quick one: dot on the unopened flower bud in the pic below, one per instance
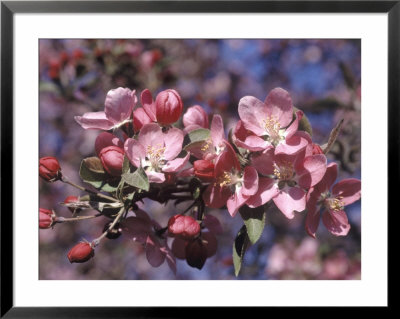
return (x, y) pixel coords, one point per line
(169, 107)
(72, 199)
(112, 158)
(182, 226)
(46, 218)
(81, 253)
(49, 169)
(194, 118)
(140, 118)
(105, 139)
(113, 233)
(196, 253)
(204, 170)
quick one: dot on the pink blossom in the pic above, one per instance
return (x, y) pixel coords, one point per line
(117, 112)
(272, 121)
(156, 151)
(145, 231)
(112, 159)
(331, 202)
(232, 186)
(287, 178)
(194, 118)
(214, 145)
(105, 139)
(169, 107)
(140, 118)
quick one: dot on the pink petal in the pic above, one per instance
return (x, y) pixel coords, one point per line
(235, 201)
(155, 177)
(226, 162)
(312, 217)
(336, 222)
(314, 168)
(252, 112)
(173, 140)
(171, 260)
(267, 189)
(295, 125)
(291, 145)
(151, 136)
(250, 181)
(329, 178)
(105, 139)
(215, 196)
(217, 130)
(279, 105)
(134, 151)
(155, 256)
(195, 116)
(143, 215)
(119, 104)
(289, 200)
(176, 164)
(349, 189)
(212, 224)
(140, 118)
(148, 104)
(94, 120)
(264, 162)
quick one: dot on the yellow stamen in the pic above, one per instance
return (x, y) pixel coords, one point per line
(224, 180)
(272, 126)
(336, 204)
(206, 145)
(284, 171)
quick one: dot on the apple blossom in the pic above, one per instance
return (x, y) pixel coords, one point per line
(49, 169)
(81, 252)
(194, 118)
(112, 158)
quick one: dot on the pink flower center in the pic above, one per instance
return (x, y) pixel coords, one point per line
(334, 204)
(228, 179)
(284, 171)
(272, 128)
(154, 156)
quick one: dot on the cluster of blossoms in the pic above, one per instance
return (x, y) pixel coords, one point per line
(268, 157)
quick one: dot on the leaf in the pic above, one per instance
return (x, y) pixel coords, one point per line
(96, 178)
(126, 165)
(137, 179)
(254, 219)
(196, 138)
(93, 164)
(304, 124)
(239, 248)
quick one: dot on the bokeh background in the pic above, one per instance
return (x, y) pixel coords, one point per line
(323, 77)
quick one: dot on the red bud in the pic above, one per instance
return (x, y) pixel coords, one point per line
(204, 170)
(112, 158)
(46, 218)
(80, 253)
(105, 139)
(185, 227)
(169, 107)
(49, 169)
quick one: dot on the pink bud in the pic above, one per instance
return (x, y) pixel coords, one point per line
(71, 199)
(169, 107)
(112, 158)
(80, 253)
(196, 253)
(46, 218)
(204, 170)
(194, 118)
(49, 169)
(185, 227)
(106, 139)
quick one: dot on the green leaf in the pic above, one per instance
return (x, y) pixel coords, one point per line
(200, 134)
(90, 173)
(304, 124)
(254, 219)
(126, 165)
(239, 248)
(137, 179)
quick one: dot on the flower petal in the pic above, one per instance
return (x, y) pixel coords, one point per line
(212, 224)
(267, 189)
(264, 162)
(336, 222)
(134, 151)
(312, 217)
(291, 145)
(279, 105)
(289, 200)
(349, 189)
(210, 242)
(179, 247)
(217, 130)
(250, 181)
(313, 170)
(235, 201)
(151, 136)
(155, 177)
(215, 196)
(295, 125)
(176, 164)
(155, 256)
(252, 112)
(137, 228)
(119, 104)
(94, 120)
(140, 118)
(148, 104)
(173, 140)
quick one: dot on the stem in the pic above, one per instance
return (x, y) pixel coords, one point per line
(115, 221)
(74, 219)
(97, 193)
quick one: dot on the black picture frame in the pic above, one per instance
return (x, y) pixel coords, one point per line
(9, 8)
